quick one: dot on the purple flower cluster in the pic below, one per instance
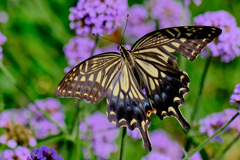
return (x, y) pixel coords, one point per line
(44, 153)
(43, 127)
(2, 41)
(17, 116)
(15, 133)
(235, 97)
(187, 2)
(97, 16)
(19, 153)
(138, 25)
(103, 135)
(169, 13)
(79, 49)
(164, 146)
(227, 44)
(214, 121)
(134, 134)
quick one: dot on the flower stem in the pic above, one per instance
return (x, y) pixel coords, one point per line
(123, 141)
(228, 147)
(206, 141)
(196, 106)
(45, 114)
(77, 132)
(95, 46)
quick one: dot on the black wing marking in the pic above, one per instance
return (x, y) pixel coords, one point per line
(187, 40)
(90, 79)
(165, 87)
(127, 106)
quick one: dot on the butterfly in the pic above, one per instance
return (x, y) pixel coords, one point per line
(148, 65)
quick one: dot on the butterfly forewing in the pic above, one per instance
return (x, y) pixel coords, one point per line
(127, 106)
(90, 79)
(187, 40)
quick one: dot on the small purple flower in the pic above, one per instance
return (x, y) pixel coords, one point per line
(214, 121)
(235, 97)
(162, 143)
(138, 25)
(103, 136)
(95, 16)
(3, 39)
(169, 13)
(79, 49)
(19, 153)
(43, 127)
(44, 153)
(196, 156)
(227, 44)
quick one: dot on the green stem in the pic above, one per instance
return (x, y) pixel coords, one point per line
(228, 147)
(123, 141)
(95, 46)
(206, 141)
(11, 78)
(77, 132)
(206, 67)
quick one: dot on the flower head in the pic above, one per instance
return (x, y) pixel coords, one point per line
(44, 153)
(138, 25)
(214, 121)
(162, 143)
(19, 153)
(43, 127)
(227, 44)
(104, 134)
(95, 16)
(168, 13)
(79, 49)
(157, 156)
(235, 97)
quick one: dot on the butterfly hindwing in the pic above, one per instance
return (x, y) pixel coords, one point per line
(126, 104)
(165, 89)
(90, 79)
(187, 40)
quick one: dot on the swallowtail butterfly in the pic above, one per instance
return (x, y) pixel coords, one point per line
(150, 65)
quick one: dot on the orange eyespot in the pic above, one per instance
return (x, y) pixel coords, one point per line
(154, 110)
(149, 113)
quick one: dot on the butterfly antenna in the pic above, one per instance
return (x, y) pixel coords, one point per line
(124, 28)
(104, 38)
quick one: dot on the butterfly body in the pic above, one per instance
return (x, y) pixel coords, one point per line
(149, 65)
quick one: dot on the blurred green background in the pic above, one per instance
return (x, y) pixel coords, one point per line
(36, 32)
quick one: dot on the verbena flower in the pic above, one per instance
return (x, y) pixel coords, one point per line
(138, 25)
(187, 2)
(17, 116)
(214, 121)
(3, 39)
(44, 153)
(15, 132)
(79, 49)
(103, 134)
(95, 16)
(43, 127)
(227, 44)
(169, 13)
(235, 97)
(19, 153)
(163, 144)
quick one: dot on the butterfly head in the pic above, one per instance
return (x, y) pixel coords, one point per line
(122, 47)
